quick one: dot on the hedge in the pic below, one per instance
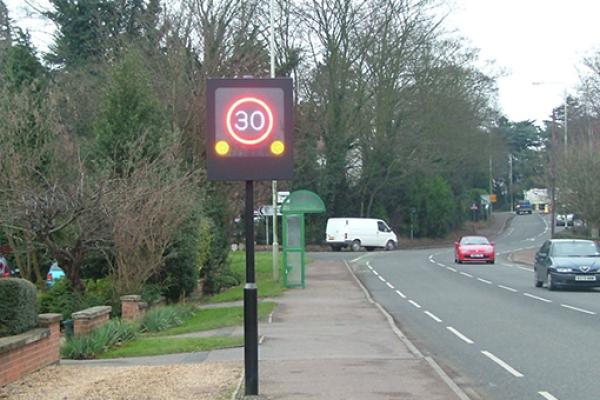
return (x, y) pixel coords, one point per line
(18, 306)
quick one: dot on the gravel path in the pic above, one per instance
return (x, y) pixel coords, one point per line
(207, 381)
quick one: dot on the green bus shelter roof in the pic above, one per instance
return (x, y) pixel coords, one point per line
(302, 201)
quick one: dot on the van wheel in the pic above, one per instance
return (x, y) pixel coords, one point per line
(356, 245)
(370, 248)
(390, 245)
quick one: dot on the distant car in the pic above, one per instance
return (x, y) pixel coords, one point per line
(5, 271)
(523, 207)
(566, 262)
(565, 219)
(54, 274)
(474, 248)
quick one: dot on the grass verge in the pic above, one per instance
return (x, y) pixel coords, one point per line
(264, 277)
(153, 346)
(215, 318)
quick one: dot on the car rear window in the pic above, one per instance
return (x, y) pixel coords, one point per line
(575, 249)
(469, 240)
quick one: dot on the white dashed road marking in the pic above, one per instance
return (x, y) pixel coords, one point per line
(433, 316)
(578, 309)
(531, 296)
(467, 275)
(389, 285)
(451, 269)
(460, 335)
(399, 293)
(484, 281)
(507, 288)
(501, 363)
(380, 278)
(414, 303)
(547, 396)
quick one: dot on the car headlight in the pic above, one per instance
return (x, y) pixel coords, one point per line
(564, 270)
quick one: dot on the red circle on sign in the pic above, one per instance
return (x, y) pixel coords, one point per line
(247, 121)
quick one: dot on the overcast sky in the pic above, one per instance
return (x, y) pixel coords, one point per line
(529, 40)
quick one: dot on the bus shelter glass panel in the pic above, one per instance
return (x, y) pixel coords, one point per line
(293, 254)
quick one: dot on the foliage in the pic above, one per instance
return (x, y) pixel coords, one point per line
(160, 318)
(213, 245)
(436, 207)
(131, 124)
(18, 306)
(101, 339)
(60, 298)
(180, 274)
(157, 346)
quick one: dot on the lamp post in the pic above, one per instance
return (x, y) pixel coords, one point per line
(274, 182)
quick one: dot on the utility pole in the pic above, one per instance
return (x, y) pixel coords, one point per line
(553, 176)
(491, 177)
(510, 181)
(274, 182)
(566, 122)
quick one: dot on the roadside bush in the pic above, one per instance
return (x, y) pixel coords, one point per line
(212, 255)
(161, 318)
(61, 299)
(436, 207)
(87, 347)
(180, 272)
(18, 306)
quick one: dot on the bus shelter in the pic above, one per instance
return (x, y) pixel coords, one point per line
(293, 209)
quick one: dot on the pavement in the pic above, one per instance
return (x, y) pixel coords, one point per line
(524, 257)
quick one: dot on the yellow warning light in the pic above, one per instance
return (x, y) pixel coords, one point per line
(277, 147)
(222, 148)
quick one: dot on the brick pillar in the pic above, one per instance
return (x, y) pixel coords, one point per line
(130, 307)
(52, 322)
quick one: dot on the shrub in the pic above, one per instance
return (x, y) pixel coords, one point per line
(180, 272)
(101, 339)
(18, 306)
(161, 318)
(61, 299)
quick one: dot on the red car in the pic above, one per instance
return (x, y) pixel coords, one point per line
(474, 248)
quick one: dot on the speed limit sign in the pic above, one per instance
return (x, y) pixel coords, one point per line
(249, 132)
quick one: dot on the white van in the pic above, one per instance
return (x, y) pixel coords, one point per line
(356, 232)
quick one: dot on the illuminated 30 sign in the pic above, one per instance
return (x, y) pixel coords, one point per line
(249, 132)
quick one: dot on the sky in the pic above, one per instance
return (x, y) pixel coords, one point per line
(528, 41)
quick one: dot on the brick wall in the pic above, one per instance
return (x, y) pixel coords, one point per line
(85, 321)
(32, 350)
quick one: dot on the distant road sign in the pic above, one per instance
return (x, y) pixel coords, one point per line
(268, 211)
(281, 196)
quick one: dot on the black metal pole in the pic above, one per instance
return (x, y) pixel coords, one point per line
(250, 300)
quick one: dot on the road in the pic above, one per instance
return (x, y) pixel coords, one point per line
(488, 325)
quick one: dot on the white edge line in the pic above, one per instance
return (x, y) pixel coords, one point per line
(411, 347)
(414, 303)
(432, 316)
(375, 272)
(399, 293)
(390, 285)
(508, 288)
(271, 317)
(537, 298)
(381, 278)
(578, 309)
(460, 335)
(501, 363)
(261, 340)
(547, 396)
(484, 281)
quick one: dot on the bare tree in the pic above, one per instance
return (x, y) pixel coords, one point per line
(145, 210)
